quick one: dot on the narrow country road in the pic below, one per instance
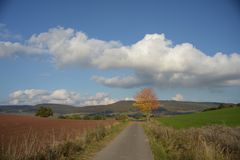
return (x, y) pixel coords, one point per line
(130, 144)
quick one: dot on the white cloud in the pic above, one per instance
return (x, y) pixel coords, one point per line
(69, 47)
(154, 60)
(124, 82)
(61, 96)
(129, 99)
(13, 48)
(178, 97)
(99, 98)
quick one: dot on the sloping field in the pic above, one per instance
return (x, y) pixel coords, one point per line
(227, 116)
(25, 133)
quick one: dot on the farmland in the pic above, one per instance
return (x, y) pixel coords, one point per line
(26, 135)
(227, 116)
(203, 135)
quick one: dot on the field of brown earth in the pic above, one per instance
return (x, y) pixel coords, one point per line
(18, 132)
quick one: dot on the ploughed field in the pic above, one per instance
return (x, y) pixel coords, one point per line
(20, 132)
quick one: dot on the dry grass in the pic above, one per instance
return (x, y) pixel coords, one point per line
(206, 143)
(31, 148)
(24, 137)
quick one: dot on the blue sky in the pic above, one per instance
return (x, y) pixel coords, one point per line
(117, 66)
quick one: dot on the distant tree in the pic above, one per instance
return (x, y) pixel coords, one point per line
(61, 117)
(146, 101)
(222, 106)
(99, 117)
(44, 112)
(121, 117)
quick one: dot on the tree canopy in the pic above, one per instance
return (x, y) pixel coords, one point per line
(146, 101)
(44, 112)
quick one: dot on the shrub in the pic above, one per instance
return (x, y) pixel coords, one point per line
(73, 116)
(122, 117)
(44, 112)
(61, 117)
(222, 106)
(87, 117)
(94, 117)
(99, 117)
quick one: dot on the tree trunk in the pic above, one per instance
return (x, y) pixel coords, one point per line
(148, 116)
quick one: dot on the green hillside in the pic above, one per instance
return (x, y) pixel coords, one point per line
(226, 116)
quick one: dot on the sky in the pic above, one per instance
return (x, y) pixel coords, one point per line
(89, 52)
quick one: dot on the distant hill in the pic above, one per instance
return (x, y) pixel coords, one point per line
(17, 108)
(185, 106)
(166, 107)
(172, 106)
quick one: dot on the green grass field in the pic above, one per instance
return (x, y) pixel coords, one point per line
(227, 116)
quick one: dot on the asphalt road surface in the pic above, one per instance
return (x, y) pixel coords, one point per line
(130, 144)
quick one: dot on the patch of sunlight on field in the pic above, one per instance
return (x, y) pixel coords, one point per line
(228, 117)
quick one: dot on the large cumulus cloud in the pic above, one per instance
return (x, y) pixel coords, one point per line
(154, 60)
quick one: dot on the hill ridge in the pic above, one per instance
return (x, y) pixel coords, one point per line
(166, 107)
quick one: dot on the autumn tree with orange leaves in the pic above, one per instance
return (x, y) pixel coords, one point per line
(146, 101)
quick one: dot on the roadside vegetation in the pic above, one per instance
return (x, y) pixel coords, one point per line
(205, 143)
(211, 135)
(96, 145)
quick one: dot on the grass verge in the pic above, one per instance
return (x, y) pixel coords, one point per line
(96, 146)
(206, 143)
